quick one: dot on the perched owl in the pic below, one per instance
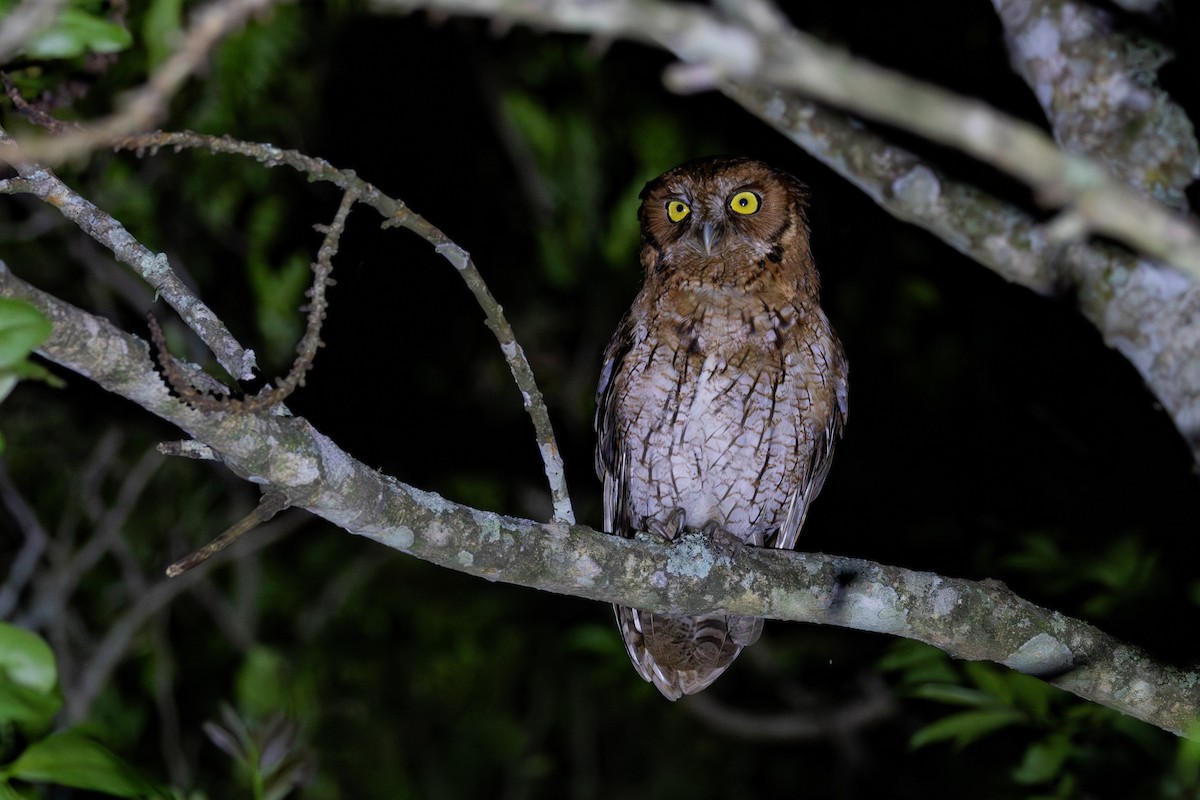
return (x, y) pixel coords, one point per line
(722, 393)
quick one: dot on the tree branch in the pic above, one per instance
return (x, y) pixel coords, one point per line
(397, 214)
(147, 105)
(968, 619)
(1150, 315)
(154, 268)
(1100, 91)
(759, 46)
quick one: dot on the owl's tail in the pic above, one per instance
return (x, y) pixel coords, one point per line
(683, 655)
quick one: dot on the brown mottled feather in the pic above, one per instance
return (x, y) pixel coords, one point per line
(722, 394)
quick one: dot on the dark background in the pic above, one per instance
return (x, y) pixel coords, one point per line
(992, 433)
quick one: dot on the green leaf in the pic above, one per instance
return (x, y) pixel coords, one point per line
(9, 793)
(1187, 758)
(1032, 694)
(26, 659)
(262, 682)
(1043, 761)
(990, 679)
(22, 328)
(918, 664)
(952, 695)
(69, 759)
(30, 709)
(966, 727)
(76, 32)
(9, 376)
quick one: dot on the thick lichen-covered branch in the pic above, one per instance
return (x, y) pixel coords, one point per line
(968, 619)
(1099, 89)
(753, 43)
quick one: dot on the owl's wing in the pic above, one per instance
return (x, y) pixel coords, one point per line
(820, 453)
(612, 454)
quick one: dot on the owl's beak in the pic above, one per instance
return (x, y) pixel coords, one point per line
(710, 234)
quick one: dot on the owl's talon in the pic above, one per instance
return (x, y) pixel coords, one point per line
(669, 528)
(726, 541)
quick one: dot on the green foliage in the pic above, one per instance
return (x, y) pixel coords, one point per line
(568, 174)
(252, 86)
(993, 698)
(70, 759)
(29, 701)
(587, 207)
(22, 328)
(267, 755)
(278, 290)
(1060, 737)
(79, 28)
(29, 696)
(1109, 579)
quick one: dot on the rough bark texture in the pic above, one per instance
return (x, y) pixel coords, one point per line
(1100, 92)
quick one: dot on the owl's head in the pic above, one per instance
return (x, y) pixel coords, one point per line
(724, 209)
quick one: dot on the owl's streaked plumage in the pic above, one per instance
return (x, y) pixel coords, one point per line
(722, 394)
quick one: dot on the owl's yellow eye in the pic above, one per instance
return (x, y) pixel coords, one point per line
(677, 210)
(744, 202)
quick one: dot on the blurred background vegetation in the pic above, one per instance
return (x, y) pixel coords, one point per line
(992, 435)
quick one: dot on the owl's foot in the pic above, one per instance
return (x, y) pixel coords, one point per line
(726, 541)
(669, 528)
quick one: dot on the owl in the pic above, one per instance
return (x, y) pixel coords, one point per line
(721, 395)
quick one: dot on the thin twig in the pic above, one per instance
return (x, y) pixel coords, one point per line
(24, 565)
(34, 112)
(397, 214)
(104, 657)
(147, 105)
(153, 267)
(307, 348)
(872, 706)
(16, 186)
(271, 504)
(164, 674)
(759, 46)
(106, 533)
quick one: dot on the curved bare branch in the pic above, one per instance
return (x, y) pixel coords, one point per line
(759, 47)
